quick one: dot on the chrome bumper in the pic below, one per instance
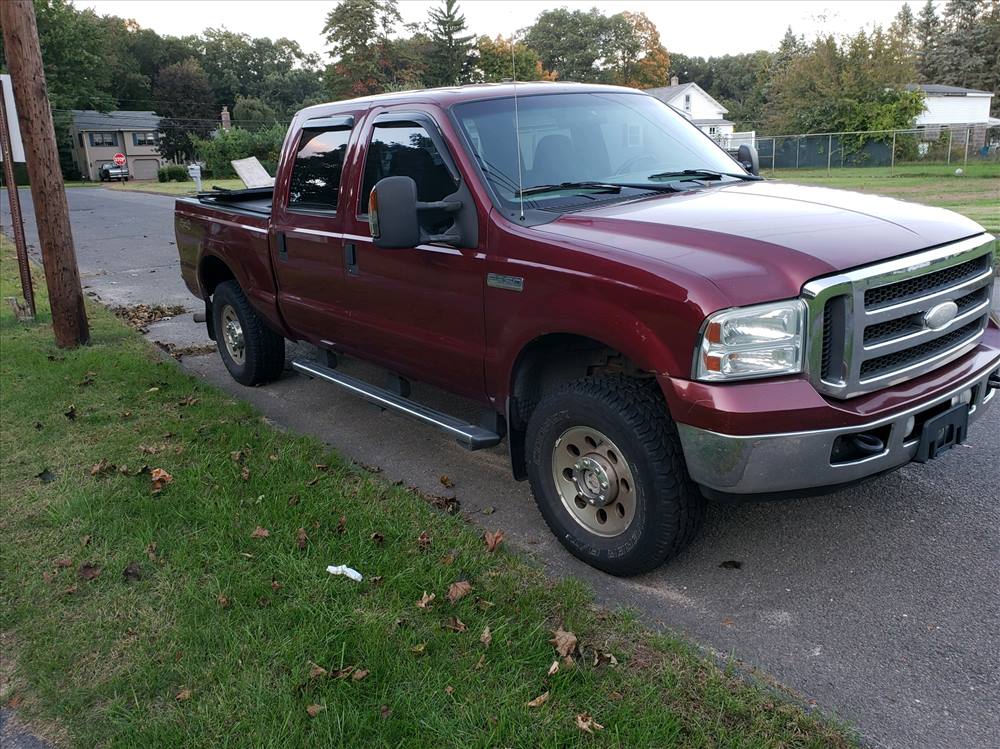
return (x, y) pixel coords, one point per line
(793, 461)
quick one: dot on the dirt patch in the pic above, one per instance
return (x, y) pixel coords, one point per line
(140, 315)
(179, 352)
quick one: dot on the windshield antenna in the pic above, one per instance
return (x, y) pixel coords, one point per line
(517, 127)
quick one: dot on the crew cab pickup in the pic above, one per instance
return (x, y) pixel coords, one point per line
(647, 322)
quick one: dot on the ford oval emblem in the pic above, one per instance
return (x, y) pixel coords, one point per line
(940, 315)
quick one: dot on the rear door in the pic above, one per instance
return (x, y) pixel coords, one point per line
(306, 230)
(418, 311)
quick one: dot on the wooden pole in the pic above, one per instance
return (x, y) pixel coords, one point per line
(62, 277)
(17, 222)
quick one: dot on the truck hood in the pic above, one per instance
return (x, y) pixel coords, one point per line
(759, 241)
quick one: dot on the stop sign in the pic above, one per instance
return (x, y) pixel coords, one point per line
(120, 159)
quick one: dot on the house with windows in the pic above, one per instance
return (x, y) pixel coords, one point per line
(953, 107)
(703, 110)
(98, 136)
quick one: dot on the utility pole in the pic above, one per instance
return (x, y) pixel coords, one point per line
(15, 208)
(62, 277)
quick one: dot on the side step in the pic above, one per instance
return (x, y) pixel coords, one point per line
(469, 436)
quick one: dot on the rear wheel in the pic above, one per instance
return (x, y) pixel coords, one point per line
(252, 352)
(608, 474)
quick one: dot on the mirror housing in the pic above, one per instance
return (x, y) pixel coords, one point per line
(392, 213)
(748, 159)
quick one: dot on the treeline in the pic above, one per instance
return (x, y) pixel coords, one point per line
(825, 84)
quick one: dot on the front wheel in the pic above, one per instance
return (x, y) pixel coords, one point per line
(608, 475)
(253, 353)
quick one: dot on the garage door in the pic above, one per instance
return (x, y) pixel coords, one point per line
(144, 168)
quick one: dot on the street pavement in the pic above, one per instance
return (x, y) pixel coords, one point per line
(879, 604)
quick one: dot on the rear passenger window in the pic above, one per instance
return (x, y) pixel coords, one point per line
(405, 149)
(315, 182)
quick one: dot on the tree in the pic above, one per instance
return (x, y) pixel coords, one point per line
(492, 61)
(904, 31)
(184, 93)
(358, 34)
(633, 54)
(449, 62)
(570, 43)
(928, 29)
(251, 113)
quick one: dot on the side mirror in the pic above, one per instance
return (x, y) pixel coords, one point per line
(392, 213)
(747, 156)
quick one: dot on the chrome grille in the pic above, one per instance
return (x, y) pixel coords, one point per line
(867, 327)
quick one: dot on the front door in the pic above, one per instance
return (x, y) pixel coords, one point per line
(417, 311)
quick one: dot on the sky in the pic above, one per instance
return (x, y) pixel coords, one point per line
(692, 27)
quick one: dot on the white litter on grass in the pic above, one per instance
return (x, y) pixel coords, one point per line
(343, 569)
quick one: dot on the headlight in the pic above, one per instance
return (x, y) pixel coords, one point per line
(760, 341)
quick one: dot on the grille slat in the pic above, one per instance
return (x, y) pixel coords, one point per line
(883, 365)
(918, 286)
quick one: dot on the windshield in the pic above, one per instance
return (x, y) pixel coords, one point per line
(575, 143)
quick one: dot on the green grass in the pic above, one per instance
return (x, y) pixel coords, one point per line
(175, 188)
(105, 659)
(975, 194)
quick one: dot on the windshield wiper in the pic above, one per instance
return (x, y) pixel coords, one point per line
(693, 174)
(539, 189)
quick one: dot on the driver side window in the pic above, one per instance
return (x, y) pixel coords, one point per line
(404, 149)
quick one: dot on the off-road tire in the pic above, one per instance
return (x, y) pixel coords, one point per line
(264, 350)
(668, 508)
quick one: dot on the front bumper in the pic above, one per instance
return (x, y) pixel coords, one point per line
(803, 460)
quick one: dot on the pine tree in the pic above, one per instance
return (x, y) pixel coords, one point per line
(928, 35)
(450, 48)
(903, 32)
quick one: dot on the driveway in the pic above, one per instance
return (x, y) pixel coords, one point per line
(880, 603)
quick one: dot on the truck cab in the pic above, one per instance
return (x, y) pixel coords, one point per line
(644, 320)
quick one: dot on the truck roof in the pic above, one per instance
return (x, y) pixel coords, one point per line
(449, 95)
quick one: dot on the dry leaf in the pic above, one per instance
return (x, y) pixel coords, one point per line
(48, 576)
(245, 473)
(375, 580)
(312, 481)
(425, 600)
(102, 466)
(454, 624)
(449, 689)
(539, 700)
(553, 669)
(237, 456)
(385, 711)
(359, 674)
(260, 532)
(184, 694)
(64, 562)
(343, 673)
(493, 540)
(316, 671)
(275, 585)
(341, 524)
(486, 637)
(377, 538)
(315, 710)
(158, 479)
(424, 541)
(481, 662)
(151, 551)
(301, 539)
(293, 500)
(586, 723)
(85, 541)
(223, 601)
(321, 467)
(728, 621)
(70, 590)
(419, 649)
(89, 571)
(564, 642)
(459, 590)
(446, 482)
(568, 662)
(131, 573)
(70, 413)
(616, 696)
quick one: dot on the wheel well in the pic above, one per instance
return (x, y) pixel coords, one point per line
(548, 362)
(213, 272)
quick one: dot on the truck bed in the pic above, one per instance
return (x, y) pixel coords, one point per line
(255, 199)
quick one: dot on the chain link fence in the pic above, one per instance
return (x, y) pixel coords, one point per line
(885, 150)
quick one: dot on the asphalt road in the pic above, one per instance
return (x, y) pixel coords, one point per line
(881, 602)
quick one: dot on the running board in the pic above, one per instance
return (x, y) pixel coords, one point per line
(469, 436)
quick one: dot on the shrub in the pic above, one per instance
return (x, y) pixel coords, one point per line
(224, 146)
(172, 173)
(163, 174)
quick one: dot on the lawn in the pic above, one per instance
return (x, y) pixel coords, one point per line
(975, 194)
(198, 611)
(175, 188)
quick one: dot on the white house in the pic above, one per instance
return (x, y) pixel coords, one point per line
(952, 105)
(703, 110)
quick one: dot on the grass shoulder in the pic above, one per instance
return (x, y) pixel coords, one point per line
(198, 611)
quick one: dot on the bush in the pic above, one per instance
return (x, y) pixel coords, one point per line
(172, 173)
(224, 146)
(162, 174)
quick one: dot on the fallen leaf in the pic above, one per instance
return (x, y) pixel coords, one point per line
(343, 673)
(223, 601)
(260, 532)
(585, 722)
(448, 559)
(102, 466)
(446, 482)
(728, 622)
(360, 674)
(48, 576)
(454, 624)
(183, 695)
(151, 551)
(126, 414)
(377, 538)
(301, 539)
(425, 600)
(275, 585)
(483, 604)
(70, 590)
(539, 700)
(424, 541)
(341, 524)
(375, 580)
(64, 562)
(419, 649)
(45, 476)
(601, 659)
(189, 401)
(488, 510)
(158, 479)
(553, 669)
(153, 390)
(316, 671)
(70, 413)
(564, 642)
(245, 473)
(89, 571)
(238, 456)
(273, 458)
(293, 500)
(486, 637)
(321, 467)
(315, 710)
(568, 662)
(131, 573)
(459, 590)
(84, 541)
(449, 689)
(492, 540)
(481, 662)
(616, 696)
(384, 711)
(312, 481)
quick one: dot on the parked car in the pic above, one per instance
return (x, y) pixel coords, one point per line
(112, 172)
(647, 323)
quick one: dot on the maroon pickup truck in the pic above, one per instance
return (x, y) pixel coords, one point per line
(645, 320)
